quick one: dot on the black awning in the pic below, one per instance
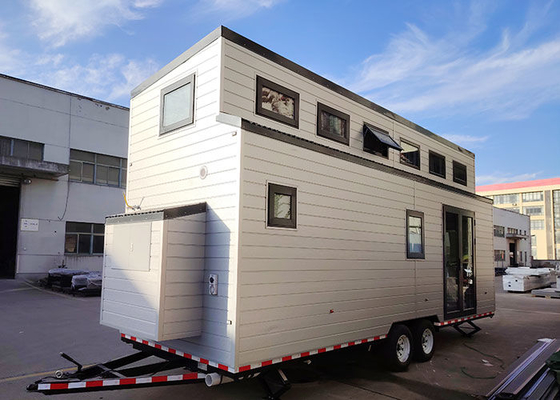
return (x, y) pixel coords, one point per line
(383, 137)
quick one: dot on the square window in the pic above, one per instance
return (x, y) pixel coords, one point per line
(87, 173)
(277, 102)
(459, 173)
(177, 105)
(414, 234)
(82, 155)
(333, 124)
(35, 151)
(282, 206)
(71, 243)
(113, 177)
(410, 154)
(437, 164)
(84, 244)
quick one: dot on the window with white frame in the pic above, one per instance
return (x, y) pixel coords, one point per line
(506, 198)
(84, 238)
(537, 224)
(532, 196)
(533, 210)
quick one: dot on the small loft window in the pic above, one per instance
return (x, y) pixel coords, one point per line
(333, 124)
(437, 164)
(282, 206)
(414, 234)
(410, 154)
(277, 102)
(378, 141)
(459, 173)
(177, 105)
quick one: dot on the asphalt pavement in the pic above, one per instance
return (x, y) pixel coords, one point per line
(37, 324)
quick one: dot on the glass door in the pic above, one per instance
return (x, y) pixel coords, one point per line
(458, 262)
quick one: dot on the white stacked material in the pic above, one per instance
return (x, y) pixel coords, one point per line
(523, 279)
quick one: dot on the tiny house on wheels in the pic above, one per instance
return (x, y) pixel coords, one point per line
(274, 215)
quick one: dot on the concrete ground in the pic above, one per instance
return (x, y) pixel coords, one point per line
(37, 324)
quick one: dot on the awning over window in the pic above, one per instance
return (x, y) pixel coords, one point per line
(383, 137)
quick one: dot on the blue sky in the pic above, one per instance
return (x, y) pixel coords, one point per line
(484, 74)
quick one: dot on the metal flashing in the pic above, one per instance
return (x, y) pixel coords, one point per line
(262, 51)
(156, 215)
(320, 148)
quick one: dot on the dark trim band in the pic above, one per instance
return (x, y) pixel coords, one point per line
(242, 41)
(319, 148)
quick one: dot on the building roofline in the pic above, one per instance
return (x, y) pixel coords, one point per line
(52, 89)
(518, 185)
(262, 51)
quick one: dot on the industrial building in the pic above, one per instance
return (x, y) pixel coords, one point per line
(540, 200)
(512, 239)
(63, 163)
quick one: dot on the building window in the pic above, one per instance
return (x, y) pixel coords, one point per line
(177, 105)
(513, 231)
(84, 238)
(282, 206)
(277, 102)
(499, 231)
(437, 164)
(499, 255)
(532, 196)
(556, 218)
(534, 210)
(377, 141)
(97, 168)
(410, 154)
(537, 224)
(534, 246)
(25, 149)
(506, 199)
(414, 234)
(333, 124)
(459, 173)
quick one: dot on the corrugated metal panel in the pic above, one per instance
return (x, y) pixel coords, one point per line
(7, 180)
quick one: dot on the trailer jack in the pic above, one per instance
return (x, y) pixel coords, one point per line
(469, 331)
(275, 383)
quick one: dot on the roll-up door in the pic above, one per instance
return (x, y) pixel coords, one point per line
(7, 180)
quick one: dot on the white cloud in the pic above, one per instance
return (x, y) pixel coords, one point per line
(420, 73)
(466, 140)
(234, 9)
(58, 22)
(501, 177)
(9, 57)
(109, 77)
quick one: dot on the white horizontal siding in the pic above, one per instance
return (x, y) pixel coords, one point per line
(348, 253)
(165, 172)
(130, 299)
(239, 85)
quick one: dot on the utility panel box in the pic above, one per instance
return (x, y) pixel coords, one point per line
(153, 272)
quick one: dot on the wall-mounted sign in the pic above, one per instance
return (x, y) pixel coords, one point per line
(31, 225)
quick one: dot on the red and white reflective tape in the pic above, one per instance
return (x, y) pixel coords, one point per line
(454, 321)
(179, 353)
(309, 353)
(118, 382)
(252, 366)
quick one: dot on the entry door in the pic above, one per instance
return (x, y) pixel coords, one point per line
(9, 206)
(458, 262)
(512, 254)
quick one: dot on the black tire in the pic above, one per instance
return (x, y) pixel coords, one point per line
(424, 339)
(398, 348)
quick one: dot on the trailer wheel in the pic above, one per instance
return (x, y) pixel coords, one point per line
(398, 348)
(423, 336)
